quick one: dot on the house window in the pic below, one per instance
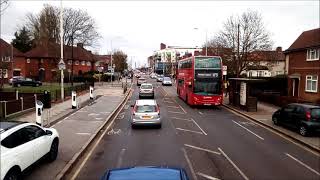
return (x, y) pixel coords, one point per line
(4, 73)
(70, 62)
(312, 54)
(76, 62)
(311, 83)
(88, 63)
(83, 63)
(28, 61)
(6, 59)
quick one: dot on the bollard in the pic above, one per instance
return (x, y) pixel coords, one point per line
(74, 99)
(39, 110)
(91, 92)
(21, 103)
(17, 94)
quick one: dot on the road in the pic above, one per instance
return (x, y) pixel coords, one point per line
(209, 143)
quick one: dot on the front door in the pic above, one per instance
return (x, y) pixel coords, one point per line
(295, 87)
(42, 74)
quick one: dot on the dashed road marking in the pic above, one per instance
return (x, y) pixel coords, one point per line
(187, 130)
(199, 126)
(200, 112)
(189, 164)
(173, 106)
(303, 164)
(248, 130)
(175, 112)
(207, 176)
(84, 134)
(93, 114)
(233, 164)
(202, 149)
(98, 118)
(181, 119)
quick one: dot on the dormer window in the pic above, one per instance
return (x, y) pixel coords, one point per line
(312, 54)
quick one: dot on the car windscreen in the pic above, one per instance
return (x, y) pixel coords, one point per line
(315, 113)
(166, 79)
(146, 86)
(145, 108)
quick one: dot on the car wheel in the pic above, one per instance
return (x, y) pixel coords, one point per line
(303, 130)
(133, 126)
(275, 121)
(159, 126)
(13, 174)
(53, 153)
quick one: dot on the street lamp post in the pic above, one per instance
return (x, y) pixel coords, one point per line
(61, 63)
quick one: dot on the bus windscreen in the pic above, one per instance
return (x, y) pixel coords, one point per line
(204, 62)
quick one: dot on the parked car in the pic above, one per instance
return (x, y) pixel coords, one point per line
(26, 82)
(140, 81)
(145, 112)
(146, 173)
(305, 117)
(166, 81)
(14, 78)
(23, 144)
(146, 90)
(159, 78)
(153, 76)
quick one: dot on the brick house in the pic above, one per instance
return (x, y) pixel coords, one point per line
(42, 61)
(303, 66)
(12, 61)
(102, 61)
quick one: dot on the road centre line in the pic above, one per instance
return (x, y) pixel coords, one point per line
(303, 164)
(233, 164)
(173, 106)
(189, 164)
(207, 176)
(175, 112)
(199, 126)
(181, 119)
(248, 130)
(87, 134)
(200, 112)
(202, 149)
(187, 130)
(119, 163)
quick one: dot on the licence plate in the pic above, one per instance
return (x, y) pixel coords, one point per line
(146, 117)
(207, 104)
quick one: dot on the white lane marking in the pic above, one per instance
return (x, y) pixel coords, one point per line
(182, 108)
(98, 118)
(104, 112)
(248, 130)
(200, 112)
(189, 163)
(119, 163)
(72, 114)
(82, 111)
(199, 127)
(303, 164)
(181, 119)
(59, 122)
(114, 131)
(87, 134)
(170, 102)
(65, 118)
(187, 130)
(93, 114)
(233, 164)
(202, 149)
(173, 106)
(175, 112)
(207, 176)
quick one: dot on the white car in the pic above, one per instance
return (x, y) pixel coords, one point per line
(23, 144)
(166, 81)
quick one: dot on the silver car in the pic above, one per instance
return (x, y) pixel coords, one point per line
(167, 81)
(146, 90)
(145, 112)
(141, 80)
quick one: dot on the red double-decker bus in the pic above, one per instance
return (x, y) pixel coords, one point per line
(199, 80)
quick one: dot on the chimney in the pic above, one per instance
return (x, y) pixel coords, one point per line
(279, 49)
(80, 45)
(162, 46)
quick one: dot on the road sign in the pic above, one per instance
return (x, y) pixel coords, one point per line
(224, 70)
(109, 68)
(61, 65)
(112, 70)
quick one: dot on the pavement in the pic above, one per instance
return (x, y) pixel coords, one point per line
(264, 116)
(77, 128)
(209, 143)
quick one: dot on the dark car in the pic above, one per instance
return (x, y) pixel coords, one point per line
(25, 82)
(146, 173)
(305, 117)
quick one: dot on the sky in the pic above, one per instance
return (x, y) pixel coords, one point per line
(138, 27)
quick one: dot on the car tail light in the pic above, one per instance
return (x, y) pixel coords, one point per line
(308, 115)
(158, 109)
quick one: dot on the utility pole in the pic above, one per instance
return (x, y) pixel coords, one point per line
(206, 42)
(238, 53)
(72, 60)
(61, 49)
(111, 62)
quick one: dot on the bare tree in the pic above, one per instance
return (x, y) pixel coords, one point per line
(78, 26)
(4, 4)
(243, 34)
(120, 60)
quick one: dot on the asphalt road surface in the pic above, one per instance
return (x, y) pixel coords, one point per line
(209, 143)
